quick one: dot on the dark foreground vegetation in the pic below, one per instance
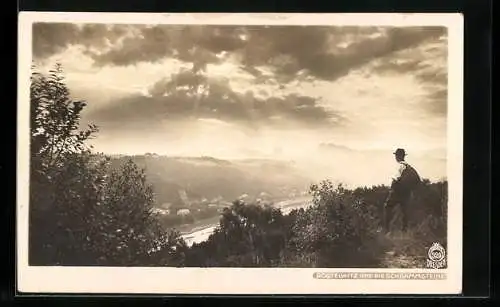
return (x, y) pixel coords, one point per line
(341, 229)
(83, 212)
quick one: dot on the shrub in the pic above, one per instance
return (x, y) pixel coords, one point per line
(341, 229)
(248, 235)
(81, 213)
(338, 231)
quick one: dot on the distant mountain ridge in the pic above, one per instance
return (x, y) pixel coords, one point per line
(334, 146)
(209, 178)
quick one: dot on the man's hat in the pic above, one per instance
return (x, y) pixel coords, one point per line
(400, 152)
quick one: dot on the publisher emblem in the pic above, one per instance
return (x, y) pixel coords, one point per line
(436, 256)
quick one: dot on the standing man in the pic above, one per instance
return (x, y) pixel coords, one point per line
(403, 184)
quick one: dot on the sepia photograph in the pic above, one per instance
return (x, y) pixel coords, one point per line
(315, 144)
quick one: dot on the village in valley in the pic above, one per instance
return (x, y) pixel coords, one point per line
(205, 186)
(186, 210)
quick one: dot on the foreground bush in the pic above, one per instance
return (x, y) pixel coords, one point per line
(338, 231)
(247, 236)
(81, 212)
(341, 229)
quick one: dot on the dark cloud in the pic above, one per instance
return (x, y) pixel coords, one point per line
(437, 102)
(52, 38)
(326, 65)
(186, 43)
(428, 65)
(286, 50)
(416, 62)
(187, 95)
(278, 112)
(433, 76)
(390, 64)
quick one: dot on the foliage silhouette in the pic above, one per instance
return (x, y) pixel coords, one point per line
(81, 211)
(340, 229)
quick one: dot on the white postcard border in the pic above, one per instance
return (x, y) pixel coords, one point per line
(136, 280)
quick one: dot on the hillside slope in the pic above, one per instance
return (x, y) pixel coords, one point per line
(209, 178)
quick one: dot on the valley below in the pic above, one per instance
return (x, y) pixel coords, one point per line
(197, 233)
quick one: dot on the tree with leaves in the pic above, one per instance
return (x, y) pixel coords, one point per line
(62, 181)
(248, 235)
(81, 211)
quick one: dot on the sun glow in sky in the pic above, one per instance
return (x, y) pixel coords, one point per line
(273, 92)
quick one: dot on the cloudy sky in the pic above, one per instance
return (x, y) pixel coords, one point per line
(232, 91)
